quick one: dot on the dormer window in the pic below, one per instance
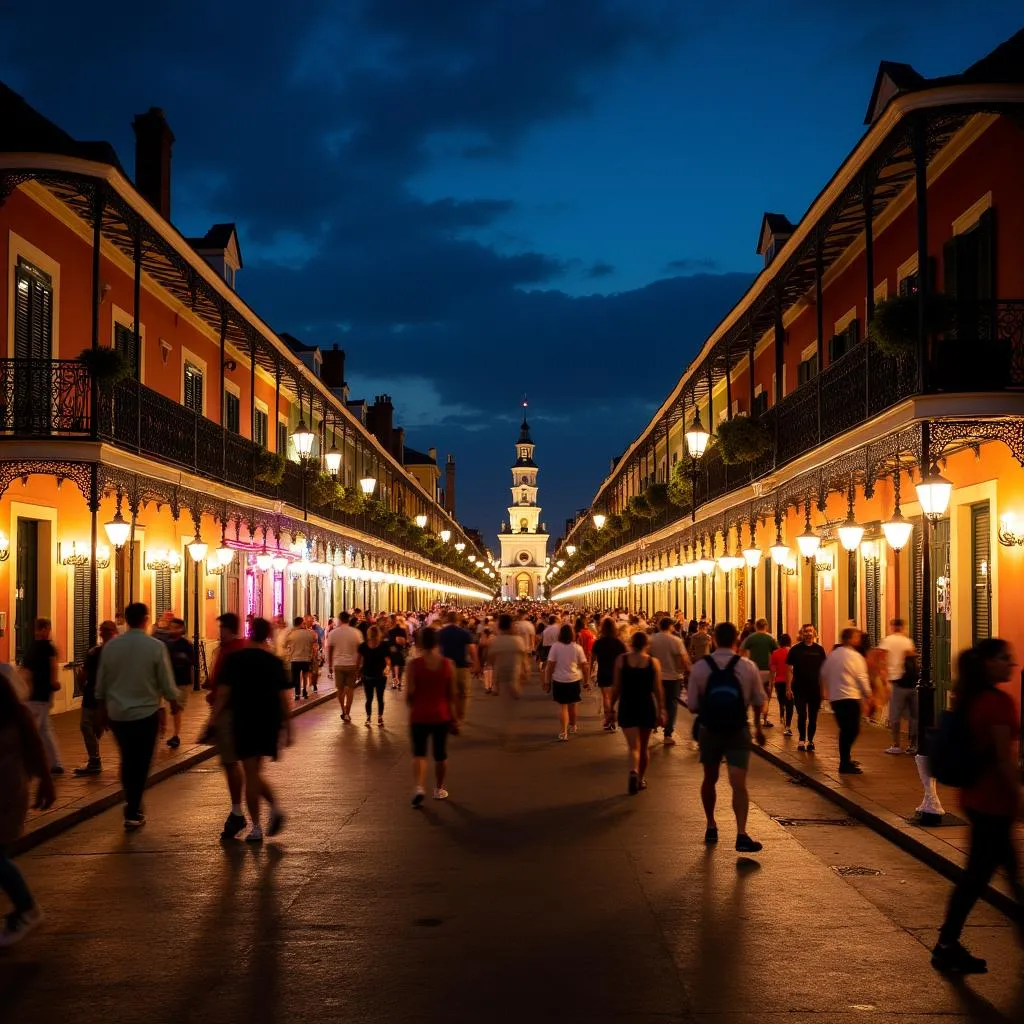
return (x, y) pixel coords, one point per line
(775, 232)
(229, 275)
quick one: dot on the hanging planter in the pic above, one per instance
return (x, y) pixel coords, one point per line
(106, 365)
(269, 467)
(742, 439)
(352, 502)
(325, 491)
(613, 525)
(680, 487)
(893, 328)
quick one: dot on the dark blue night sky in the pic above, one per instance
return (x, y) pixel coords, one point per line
(481, 198)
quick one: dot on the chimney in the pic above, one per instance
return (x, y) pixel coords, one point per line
(380, 420)
(449, 485)
(399, 449)
(153, 142)
(332, 370)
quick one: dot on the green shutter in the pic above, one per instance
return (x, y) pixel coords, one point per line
(80, 614)
(981, 570)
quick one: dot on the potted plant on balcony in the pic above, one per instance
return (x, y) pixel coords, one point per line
(269, 467)
(893, 327)
(680, 487)
(106, 365)
(325, 491)
(657, 496)
(742, 439)
(613, 525)
(639, 507)
(352, 501)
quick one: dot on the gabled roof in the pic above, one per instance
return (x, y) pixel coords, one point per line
(295, 345)
(773, 225)
(1004, 64)
(25, 130)
(892, 79)
(221, 238)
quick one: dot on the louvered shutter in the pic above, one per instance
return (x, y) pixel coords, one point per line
(916, 581)
(981, 568)
(162, 591)
(33, 313)
(80, 614)
(986, 242)
(124, 342)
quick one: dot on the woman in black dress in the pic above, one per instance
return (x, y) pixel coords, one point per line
(638, 692)
(603, 657)
(253, 684)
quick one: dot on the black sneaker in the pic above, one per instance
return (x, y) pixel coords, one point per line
(418, 798)
(711, 836)
(952, 958)
(57, 770)
(810, 748)
(634, 784)
(131, 824)
(174, 742)
(277, 820)
(744, 844)
(850, 769)
(233, 825)
(89, 769)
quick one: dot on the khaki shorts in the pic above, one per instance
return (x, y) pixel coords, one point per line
(183, 694)
(345, 676)
(462, 682)
(733, 747)
(226, 738)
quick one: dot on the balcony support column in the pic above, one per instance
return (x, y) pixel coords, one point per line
(252, 388)
(99, 201)
(869, 269)
(223, 360)
(819, 312)
(137, 328)
(277, 406)
(94, 580)
(728, 378)
(920, 148)
(779, 341)
(750, 371)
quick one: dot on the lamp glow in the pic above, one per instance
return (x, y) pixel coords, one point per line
(224, 555)
(303, 439)
(279, 563)
(570, 549)
(333, 460)
(752, 556)
(599, 520)
(117, 530)
(460, 547)
(705, 566)
(897, 531)
(264, 560)
(197, 550)
(869, 550)
(445, 535)
(697, 437)
(729, 563)
(934, 492)
(421, 521)
(367, 485)
(779, 553)
(808, 542)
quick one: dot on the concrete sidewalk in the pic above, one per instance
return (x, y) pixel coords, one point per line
(81, 798)
(885, 797)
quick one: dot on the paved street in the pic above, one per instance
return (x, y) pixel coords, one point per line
(538, 891)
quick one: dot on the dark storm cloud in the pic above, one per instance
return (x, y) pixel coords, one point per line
(600, 269)
(688, 265)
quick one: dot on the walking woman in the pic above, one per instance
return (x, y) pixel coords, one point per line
(372, 668)
(253, 685)
(779, 674)
(431, 695)
(398, 641)
(604, 655)
(565, 670)
(22, 758)
(992, 799)
(638, 692)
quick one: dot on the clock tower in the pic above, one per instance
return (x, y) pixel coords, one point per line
(524, 540)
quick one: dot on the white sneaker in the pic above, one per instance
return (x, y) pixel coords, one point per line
(788, 732)
(255, 835)
(801, 745)
(441, 794)
(19, 925)
(894, 750)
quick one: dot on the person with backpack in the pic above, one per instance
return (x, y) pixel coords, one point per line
(975, 748)
(723, 686)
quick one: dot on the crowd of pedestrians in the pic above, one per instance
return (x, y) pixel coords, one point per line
(133, 680)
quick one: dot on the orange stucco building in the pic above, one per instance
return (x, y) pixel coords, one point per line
(137, 385)
(883, 340)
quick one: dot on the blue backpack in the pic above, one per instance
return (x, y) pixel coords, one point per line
(723, 707)
(952, 758)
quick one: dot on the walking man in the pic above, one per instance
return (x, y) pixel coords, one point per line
(230, 641)
(722, 687)
(903, 700)
(298, 652)
(845, 677)
(182, 658)
(40, 662)
(675, 666)
(88, 723)
(134, 673)
(459, 646)
(343, 661)
(758, 646)
(804, 663)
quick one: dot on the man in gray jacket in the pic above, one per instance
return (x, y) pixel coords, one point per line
(135, 671)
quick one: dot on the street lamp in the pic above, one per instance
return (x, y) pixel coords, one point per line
(279, 563)
(460, 547)
(599, 520)
(117, 530)
(197, 552)
(302, 438)
(697, 439)
(570, 549)
(851, 533)
(367, 485)
(808, 542)
(934, 492)
(421, 521)
(264, 560)
(445, 535)
(333, 460)
(224, 554)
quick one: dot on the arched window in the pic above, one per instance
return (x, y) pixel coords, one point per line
(524, 525)
(523, 497)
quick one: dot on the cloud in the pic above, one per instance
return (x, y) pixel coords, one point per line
(689, 265)
(600, 269)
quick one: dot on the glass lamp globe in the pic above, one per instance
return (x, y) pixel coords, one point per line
(934, 492)
(460, 547)
(897, 531)
(117, 530)
(570, 549)
(333, 460)
(197, 550)
(224, 555)
(752, 556)
(808, 542)
(264, 560)
(779, 553)
(421, 521)
(706, 566)
(367, 484)
(303, 439)
(599, 520)
(697, 437)
(445, 535)
(851, 533)
(279, 563)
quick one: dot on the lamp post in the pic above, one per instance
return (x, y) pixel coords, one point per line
(302, 438)
(697, 439)
(897, 532)
(197, 552)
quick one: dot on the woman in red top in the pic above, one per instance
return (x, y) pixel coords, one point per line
(991, 801)
(430, 694)
(584, 636)
(779, 676)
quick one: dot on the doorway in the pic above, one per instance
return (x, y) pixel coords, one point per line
(523, 585)
(942, 614)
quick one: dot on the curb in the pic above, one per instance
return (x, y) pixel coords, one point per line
(77, 815)
(895, 835)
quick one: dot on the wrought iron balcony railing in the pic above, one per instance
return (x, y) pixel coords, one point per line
(981, 349)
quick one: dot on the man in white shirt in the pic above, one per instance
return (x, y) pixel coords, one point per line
(722, 687)
(898, 647)
(675, 664)
(342, 660)
(523, 628)
(844, 675)
(548, 639)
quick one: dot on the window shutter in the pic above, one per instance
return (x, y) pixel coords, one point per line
(981, 567)
(916, 581)
(124, 342)
(80, 614)
(986, 237)
(282, 439)
(872, 581)
(161, 591)
(852, 603)
(949, 254)
(33, 313)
